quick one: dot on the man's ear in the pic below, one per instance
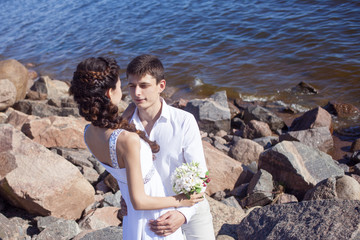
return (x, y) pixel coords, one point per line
(162, 85)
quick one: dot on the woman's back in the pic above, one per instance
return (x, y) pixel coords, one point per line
(135, 224)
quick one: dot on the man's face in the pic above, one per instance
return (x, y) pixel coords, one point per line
(144, 91)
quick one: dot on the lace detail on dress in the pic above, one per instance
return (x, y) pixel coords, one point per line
(112, 146)
(149, 175)
(113, 156)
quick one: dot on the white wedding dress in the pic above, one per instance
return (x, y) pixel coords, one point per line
(135, 224)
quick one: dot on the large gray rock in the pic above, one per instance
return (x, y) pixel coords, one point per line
(42, 109)
(7, 94)
(298, 166)
(260, 189)
(38, 180)
(108, 233)
(264, 115)
(322, 219)
(17, 74)
(212, 114)
(320, 138)
(60, 229)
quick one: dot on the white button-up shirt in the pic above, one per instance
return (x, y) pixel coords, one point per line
(177, 133)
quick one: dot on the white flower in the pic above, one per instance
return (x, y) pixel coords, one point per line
(188, 179)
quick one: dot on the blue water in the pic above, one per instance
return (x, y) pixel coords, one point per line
(253, 49)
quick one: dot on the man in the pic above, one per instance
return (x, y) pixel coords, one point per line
(178, 135)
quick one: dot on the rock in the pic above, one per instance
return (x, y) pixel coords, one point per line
(260, 189)
(315, 118)
(325, 189)
(101, 218)
(54, 89)
(7, 94)
(59, 229)
(320, 138)
(3, 117)
(90, 174)
(225, 218)
(262, 114)
(239, 191)
(267, 142)
(355, 146)
(355, 157)
(17, 74)
(108, 233)
(304, 88)
(232, 202)
(343, 110)
(212, 114)
(112, 200)
(321, 219)
(17, 119)
(246, 151)
(223, 170)
(7, 229)
(347, 188)
(55, 131)
(42, 109)
(219, 195)
(64, 194)
(32, 95)
(258, 129)
(297, 166)
(283, 198)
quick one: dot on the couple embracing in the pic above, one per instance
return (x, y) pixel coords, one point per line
(142, 150)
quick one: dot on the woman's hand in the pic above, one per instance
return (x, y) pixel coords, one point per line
(194, 198)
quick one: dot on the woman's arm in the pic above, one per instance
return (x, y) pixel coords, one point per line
(129, 146)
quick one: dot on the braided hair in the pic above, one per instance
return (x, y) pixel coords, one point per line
(92, 78)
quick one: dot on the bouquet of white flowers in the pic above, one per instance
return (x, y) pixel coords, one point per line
(188, 179)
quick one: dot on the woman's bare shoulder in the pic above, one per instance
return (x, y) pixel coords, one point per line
(128, 139)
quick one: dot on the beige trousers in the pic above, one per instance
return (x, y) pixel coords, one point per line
(200, 226)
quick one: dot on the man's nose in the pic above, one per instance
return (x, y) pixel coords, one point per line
(137, 90)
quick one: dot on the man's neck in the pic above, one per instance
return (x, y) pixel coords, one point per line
(149, 115)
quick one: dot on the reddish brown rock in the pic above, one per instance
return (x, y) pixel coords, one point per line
(224, 171)
(17, 74)
(343, 110)
(355, 146)
(256, 129)
(246, 151)
(17, 119)
(101, 218)
(317, 117)
(55, 131)
(38, 180)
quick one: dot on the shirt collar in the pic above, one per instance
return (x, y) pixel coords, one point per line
(165, 114)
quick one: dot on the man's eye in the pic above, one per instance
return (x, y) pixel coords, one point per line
(144, 86)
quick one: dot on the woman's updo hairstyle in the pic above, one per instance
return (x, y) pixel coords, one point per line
(91, 80)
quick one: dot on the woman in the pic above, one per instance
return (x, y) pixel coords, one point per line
(125, 152)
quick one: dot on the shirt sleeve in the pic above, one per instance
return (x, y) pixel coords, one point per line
(193, 152)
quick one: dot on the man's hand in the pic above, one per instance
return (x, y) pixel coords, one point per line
(168, 223)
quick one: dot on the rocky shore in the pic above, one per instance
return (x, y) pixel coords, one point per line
(277, 173)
